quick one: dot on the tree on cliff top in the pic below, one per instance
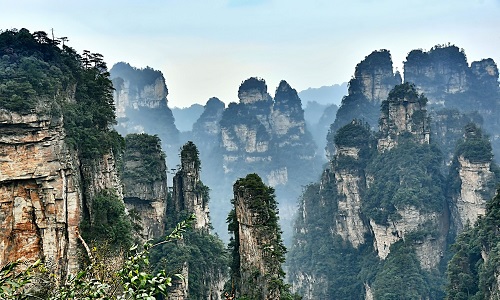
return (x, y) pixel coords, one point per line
(260, 204)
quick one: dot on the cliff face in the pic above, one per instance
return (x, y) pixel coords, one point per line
(257, 248)
(141, 103)
(189, 193)
(41, 191)
(373, 79)
(45, 190)
(380, 200)
(145, 183)
(403, 113)
(442, 70)
(472, 180)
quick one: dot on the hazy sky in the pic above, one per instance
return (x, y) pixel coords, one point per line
(206, 48)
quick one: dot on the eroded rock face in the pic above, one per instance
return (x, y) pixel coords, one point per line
(145, 183)
(429, 250)
(404, 112)
(349, 222)
(40, 192)
(374, 77)
(470, 203)
(259, 130)
(189, 193)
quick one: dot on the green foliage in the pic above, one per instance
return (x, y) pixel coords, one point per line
(401, 276)
(13, 281)
(108, 222)
(144, 161)
(408, 175)
(261, 203)
(136, 279)
(475, 147)
(189, 152)
(38, 76)
(206, 258)
(469, 275)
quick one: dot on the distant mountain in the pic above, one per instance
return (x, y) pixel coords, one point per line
(324, 95)
(185, 117)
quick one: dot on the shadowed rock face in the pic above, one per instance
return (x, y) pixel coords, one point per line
(373, 80)
(189, 193)
(145, 183)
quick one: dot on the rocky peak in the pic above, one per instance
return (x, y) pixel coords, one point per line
(472, 182)
(145, 183)
(443, 69)
(286, 97)
(373, 80)
(374, 77)
(404, 112)
(259, 249)
(206, 128)
(189, 193)
(253, 90)
(486, 73)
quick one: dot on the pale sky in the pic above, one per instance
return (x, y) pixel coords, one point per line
(206, 48)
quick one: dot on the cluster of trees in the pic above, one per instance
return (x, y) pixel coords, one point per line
(473, 270)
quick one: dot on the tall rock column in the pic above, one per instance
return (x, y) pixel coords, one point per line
(257, 248)
(471, 182)
(189, 193)
(145, 183)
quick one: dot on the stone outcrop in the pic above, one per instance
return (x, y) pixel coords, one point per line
(45, 190)
(470, 202)
(404, 112)
(141, 103)
(41, 191)
(445, 77)
(145, 183)
(189, 193)
(442, 70)
(472, 182)
(258, 242)
(412, 220)
(373, 80)
(259, 131)
(206, 129)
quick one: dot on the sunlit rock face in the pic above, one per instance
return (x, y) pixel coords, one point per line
(42, 194)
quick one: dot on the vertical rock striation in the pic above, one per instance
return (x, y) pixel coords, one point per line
(258, 248)
(189, 193)
(145, 183)
(41, 191)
